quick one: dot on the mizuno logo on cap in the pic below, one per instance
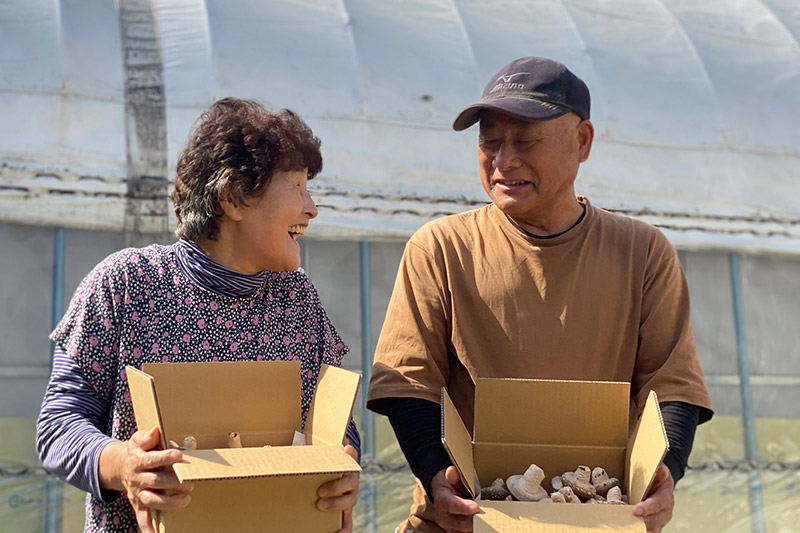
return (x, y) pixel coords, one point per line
(509, 77)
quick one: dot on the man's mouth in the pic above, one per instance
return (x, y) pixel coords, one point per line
(511, 183)
(296, 230)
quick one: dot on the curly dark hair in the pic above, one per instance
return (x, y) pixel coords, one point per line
(233, 151)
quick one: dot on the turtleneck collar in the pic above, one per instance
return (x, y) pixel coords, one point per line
(211, 276)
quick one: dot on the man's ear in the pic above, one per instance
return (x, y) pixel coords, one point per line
(585, 134)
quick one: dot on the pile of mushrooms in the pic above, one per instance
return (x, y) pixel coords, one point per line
(584, 485)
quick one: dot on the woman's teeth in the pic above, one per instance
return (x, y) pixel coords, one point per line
(298, 230)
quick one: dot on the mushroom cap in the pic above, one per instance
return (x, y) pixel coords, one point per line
(583, 474)
(579, 482)
(602, 482)
(527, 487)
(557, 497)
(615, 496)
(569, 495)
(189, 442)
(603, 488)
(496, 491)
(599, 475)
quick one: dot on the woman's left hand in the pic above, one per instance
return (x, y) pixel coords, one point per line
(657, 508)
(341, 495)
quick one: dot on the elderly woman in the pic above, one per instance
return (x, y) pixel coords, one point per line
(230, 289)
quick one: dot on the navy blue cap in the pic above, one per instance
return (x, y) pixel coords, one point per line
(530, 88)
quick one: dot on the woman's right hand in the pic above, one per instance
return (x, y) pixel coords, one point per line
(143, 474)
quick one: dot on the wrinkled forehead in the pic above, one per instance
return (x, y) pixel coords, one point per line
(491, 120)
(495, 122)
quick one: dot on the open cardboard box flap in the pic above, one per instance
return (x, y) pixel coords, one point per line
(557, 425)
(239, 463)
(332, 406)
(647, 447)
(260, 400)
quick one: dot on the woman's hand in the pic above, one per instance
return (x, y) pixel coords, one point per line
(143, 474)
(656, 509)
(454, 510)
(341, 495)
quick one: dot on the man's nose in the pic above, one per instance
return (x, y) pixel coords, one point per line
(505, 157)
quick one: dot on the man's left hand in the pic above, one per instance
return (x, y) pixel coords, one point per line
(341, 495)
(656, 509)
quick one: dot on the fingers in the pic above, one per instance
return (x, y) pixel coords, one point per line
(146, 439)
(337, 487)
(164, 481)
(341, 503)
(347, 522)
(147, 480)
(453, 513)
(656, 510)
(458, 505)
(352, 452)
(455, 505)
(656, 522)
(339, 495)
(163, 502)
(143, 520)
(154, 460)
(452, 476)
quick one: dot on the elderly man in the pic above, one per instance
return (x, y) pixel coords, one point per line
(538, 284)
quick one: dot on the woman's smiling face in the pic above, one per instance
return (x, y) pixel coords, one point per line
(268, 226)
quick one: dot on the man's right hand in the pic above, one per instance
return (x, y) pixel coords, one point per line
(454, 511)
(136, 468)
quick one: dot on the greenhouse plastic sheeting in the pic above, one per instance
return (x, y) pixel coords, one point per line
(694, 104)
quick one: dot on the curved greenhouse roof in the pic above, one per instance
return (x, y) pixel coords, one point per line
(695, 105)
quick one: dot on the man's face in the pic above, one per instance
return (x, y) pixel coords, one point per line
(529, 168)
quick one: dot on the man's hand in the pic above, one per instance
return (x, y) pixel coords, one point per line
(341, 495)
(143, 474)
(656, 509)
(453, 510)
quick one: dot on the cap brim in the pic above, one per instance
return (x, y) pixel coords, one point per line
(520, 108)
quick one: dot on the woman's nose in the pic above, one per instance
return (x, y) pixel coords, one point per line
(310, 207)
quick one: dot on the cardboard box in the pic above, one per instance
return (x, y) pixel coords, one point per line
(252, 488)
(557, 425)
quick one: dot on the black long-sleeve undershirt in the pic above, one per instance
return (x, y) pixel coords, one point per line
(417, 425)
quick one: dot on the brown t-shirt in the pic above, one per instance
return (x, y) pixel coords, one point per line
(476, 297)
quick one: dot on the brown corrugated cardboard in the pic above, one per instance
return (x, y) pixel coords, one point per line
(253, 488)
(558, 425)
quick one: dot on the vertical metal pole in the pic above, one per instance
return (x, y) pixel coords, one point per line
(368, 429)
(53, 490)
(748, 422)
(58, 277)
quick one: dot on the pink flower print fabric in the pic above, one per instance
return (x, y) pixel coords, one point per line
(138, 307)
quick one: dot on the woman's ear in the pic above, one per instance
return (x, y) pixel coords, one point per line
(231, 210)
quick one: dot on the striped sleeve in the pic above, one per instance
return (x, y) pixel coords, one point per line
(68, 435)
(353, 438)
